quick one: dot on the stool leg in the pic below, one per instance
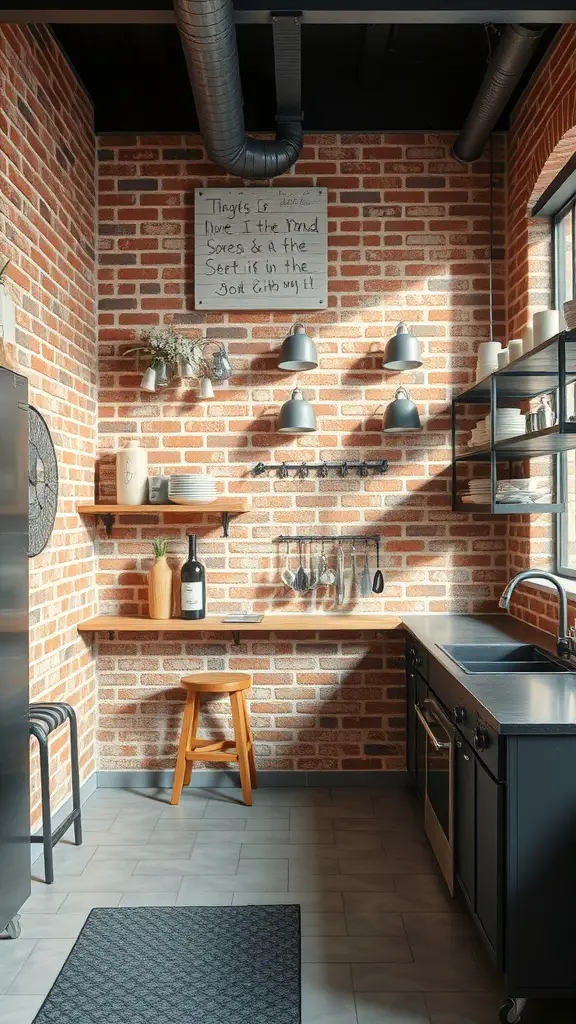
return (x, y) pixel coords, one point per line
(75, 768)
(182, 748)
(239, 721)
(251, 761)
(46, 814)
(192, 736)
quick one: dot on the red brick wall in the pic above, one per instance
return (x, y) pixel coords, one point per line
(408, 237)
(541, 140)
(47, 204)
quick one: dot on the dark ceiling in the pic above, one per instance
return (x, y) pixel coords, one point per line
(354, 77)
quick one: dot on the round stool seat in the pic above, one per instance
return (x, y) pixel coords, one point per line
(217, 682)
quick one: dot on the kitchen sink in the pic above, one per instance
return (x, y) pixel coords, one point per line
(491, 658)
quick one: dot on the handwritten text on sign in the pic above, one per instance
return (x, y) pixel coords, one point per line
(261, 248)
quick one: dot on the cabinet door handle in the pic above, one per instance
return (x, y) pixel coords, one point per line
(437, 744)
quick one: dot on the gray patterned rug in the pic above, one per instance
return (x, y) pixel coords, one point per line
(181, 965)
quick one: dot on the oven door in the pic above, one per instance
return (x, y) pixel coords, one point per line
(438, 799)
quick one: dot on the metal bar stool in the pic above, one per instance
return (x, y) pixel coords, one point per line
(44, 719)
(240, 749)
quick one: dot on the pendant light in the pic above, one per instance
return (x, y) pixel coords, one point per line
(403, 351)
(297, 415)
(298, 351)
(401, 416)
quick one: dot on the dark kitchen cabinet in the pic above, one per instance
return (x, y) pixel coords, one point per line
(479, 841)
(416, 691)
(465, 819)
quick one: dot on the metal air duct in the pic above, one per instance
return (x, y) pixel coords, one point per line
(510, 59)
(208, 32)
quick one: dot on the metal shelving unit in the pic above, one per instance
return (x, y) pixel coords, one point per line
(551, 367)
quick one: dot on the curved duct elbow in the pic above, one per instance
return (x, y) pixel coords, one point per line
(509, 60)
(208, 32)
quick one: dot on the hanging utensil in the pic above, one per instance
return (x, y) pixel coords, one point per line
(287, 576)
(365, 577)
(327, 575)
(312, 569)
(340, 574)
(353, 573)
(378, 584)
(300, 583)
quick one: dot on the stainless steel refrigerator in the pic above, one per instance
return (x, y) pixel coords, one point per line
(14, 695)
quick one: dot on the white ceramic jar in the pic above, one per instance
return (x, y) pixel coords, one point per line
(132, 475)
(546, 324)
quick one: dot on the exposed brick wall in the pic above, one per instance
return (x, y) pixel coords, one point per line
(408, 239)
(542, 139)
(47, 201)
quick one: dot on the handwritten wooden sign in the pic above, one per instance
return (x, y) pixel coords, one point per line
(261, 248)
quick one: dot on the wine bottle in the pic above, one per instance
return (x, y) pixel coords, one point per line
(193, 584)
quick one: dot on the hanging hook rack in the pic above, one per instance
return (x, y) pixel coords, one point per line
(317, 538)
(303, 469)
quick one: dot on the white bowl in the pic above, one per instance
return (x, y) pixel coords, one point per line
(178, 500)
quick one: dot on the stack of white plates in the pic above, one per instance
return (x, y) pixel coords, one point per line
(508, 492)
(509, 423)
(487, 358)
(189, 489)
(570, 314)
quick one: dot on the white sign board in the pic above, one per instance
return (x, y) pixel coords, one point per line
(261, 248)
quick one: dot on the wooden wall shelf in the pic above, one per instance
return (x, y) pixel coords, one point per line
(224, 506)
(273, 623)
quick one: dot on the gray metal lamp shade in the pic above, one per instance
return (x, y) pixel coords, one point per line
(403, 350)
(296, 415)
(401, 415)
(298, 351)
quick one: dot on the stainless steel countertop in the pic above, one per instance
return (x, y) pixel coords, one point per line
(531, 702)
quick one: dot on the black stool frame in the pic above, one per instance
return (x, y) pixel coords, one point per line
(44, 719)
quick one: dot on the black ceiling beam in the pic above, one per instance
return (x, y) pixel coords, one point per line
(371, 12)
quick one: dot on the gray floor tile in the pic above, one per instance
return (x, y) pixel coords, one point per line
(284, 797)
(180, 826)
(42, 967)
(237, 809)
(13, 955)
(320, 836)
(204, 899)
(144, 851)
(440, 928)
(252, 876)
(20, 1009)
(98, 877)
(300, 878)
(355, 949)
(83, 903)
(68, 859)
(307, 853)
(398, 902)
(319, 902)
(318, 923)
(149, 899)
(392, 1008)
(358, 841)
(327, 995)
(372, 863)
(51, 926)
(373, 921)
(277, 838)
(456, 973)
(203, 862)
(465, 1007)
(46, 902)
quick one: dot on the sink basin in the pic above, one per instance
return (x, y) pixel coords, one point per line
(490, 658)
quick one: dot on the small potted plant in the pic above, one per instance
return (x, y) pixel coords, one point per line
(160, 583)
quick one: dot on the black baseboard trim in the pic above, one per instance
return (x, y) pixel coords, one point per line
(150, 779)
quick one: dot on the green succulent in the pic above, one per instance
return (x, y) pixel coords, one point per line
(160, 547)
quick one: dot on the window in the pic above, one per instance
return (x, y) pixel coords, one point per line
(564, 228)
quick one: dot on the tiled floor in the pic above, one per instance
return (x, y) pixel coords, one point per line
(382, 943)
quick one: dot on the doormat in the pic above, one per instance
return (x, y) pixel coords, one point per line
(181, 965)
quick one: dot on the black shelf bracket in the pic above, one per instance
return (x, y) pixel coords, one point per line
(110, 634)
(108, 519)
(236, 637)
(226, 517)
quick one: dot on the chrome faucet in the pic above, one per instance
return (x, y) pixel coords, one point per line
(563, 641)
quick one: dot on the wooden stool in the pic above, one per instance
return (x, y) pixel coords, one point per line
(239, 749)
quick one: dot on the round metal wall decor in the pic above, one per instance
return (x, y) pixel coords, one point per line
(42, 482)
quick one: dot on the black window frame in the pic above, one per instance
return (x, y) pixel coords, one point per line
(558, 278)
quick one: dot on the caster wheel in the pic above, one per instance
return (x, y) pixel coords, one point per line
(14, 928)
(511, 1010)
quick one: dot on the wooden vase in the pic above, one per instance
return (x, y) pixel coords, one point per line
(160, 589)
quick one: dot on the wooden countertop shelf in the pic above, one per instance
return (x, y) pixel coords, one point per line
(273, 623)
(223, 506)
